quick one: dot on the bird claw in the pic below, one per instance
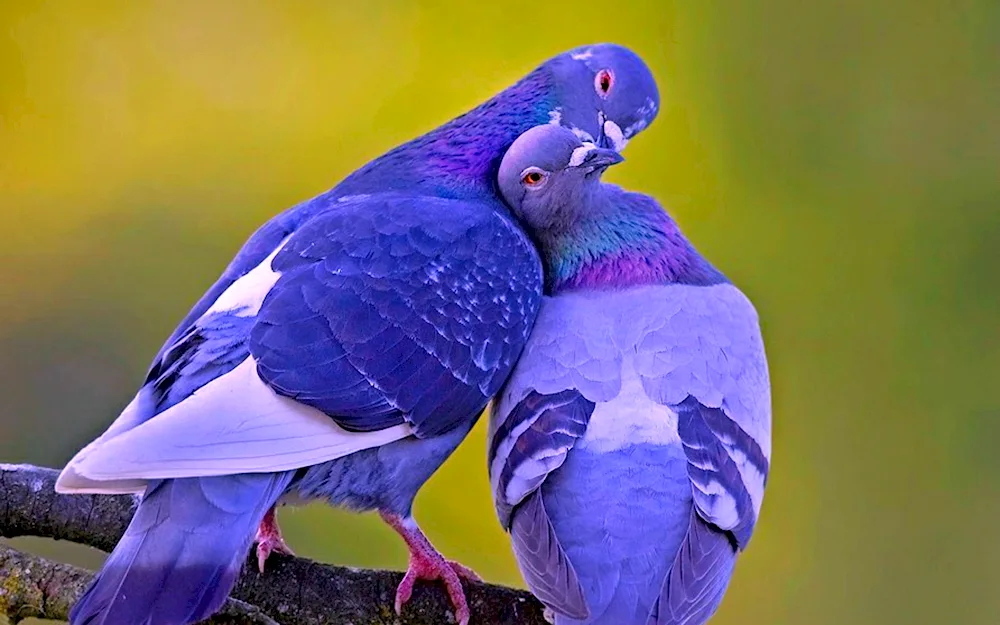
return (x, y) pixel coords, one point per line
(433, 566)
(427, 563)
(267, 546)
(269, 540)
(464, 572)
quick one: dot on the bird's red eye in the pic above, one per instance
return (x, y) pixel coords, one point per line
(532, 178)
(603, 82)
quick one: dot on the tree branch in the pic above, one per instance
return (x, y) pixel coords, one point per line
(292, 591)
(31, 586)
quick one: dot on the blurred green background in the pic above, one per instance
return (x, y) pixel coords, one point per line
(839, 160)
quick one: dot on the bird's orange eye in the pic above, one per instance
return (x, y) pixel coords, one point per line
(532, 178)
(603, 82)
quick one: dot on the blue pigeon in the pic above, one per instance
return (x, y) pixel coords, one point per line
(343, 355)
(629, 449)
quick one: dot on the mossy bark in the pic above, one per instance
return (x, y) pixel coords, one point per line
(292, 591)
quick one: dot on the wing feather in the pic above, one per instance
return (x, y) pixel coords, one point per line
(233, 424)
(417, 308)
(529, 442)
(543, 563)
(359, 325)
(697, 580)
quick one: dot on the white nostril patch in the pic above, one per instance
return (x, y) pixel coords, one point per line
(576, 159)
(613, 132)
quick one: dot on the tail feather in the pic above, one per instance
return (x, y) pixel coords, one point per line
(698, 579)
(182, 552)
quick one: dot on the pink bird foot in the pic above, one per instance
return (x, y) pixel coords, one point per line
(269, 539)
(427, 563)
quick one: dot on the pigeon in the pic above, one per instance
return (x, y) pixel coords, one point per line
(629, 449)
(342, 356)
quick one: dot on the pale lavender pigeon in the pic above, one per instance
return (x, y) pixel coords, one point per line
(629, 450)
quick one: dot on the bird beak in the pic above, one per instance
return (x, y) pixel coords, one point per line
(601, 158)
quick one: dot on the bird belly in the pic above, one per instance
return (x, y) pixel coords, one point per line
(383, 478)
(620, 516)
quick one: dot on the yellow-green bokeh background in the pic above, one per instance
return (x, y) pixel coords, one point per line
(839, 160)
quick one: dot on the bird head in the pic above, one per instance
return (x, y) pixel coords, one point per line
(549, 175)
(605, 93)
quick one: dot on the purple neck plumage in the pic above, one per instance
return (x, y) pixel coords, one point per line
(632, 242)
(460, 159)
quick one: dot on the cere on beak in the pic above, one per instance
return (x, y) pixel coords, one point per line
(611, 134)
(602, 157)
(614, 136)
(602, 139)
(593, 157)
(580, 154)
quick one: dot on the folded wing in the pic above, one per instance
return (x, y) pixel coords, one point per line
(707, 362)
(528, 443)
(374, 320)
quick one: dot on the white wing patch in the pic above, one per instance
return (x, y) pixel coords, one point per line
(526, 476)
(503, 451)
(245, 296)
(753, 479)
(233, 424)
(718, 504)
